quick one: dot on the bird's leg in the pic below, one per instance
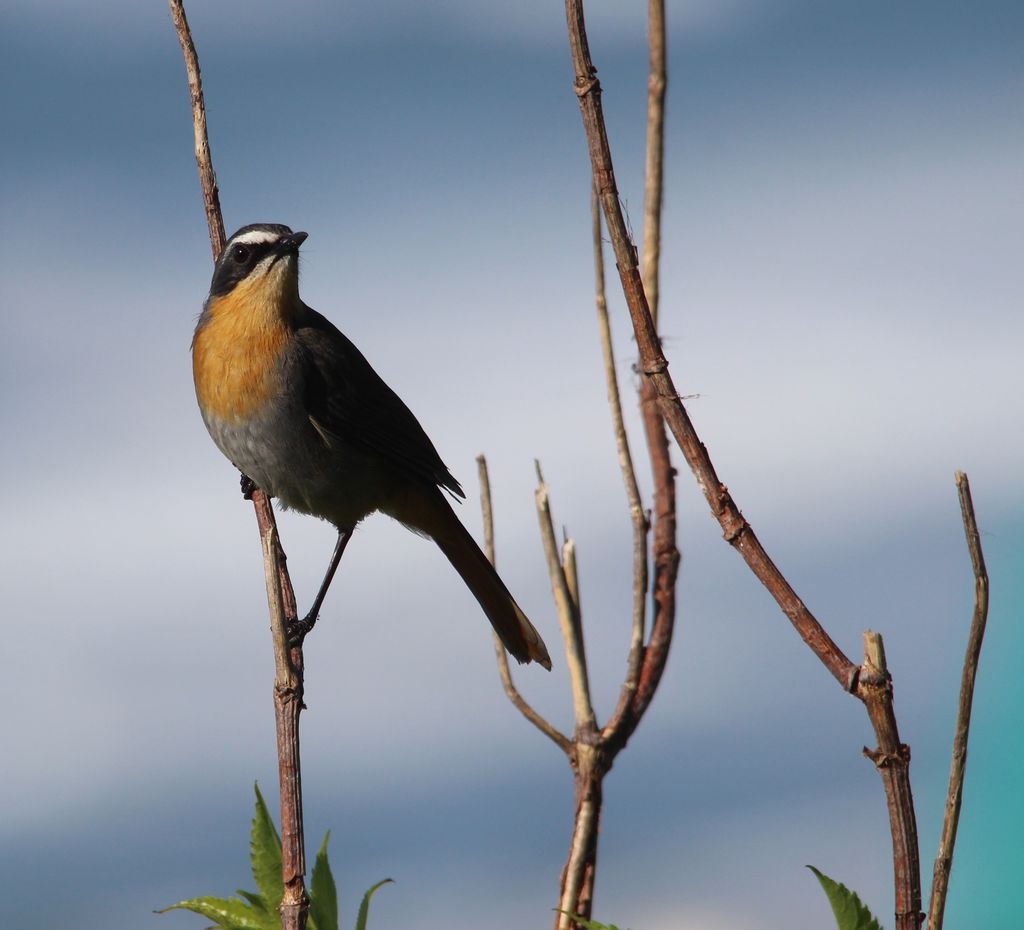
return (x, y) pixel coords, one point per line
(298, 629)
(248, 486)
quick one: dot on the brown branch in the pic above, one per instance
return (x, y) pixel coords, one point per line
(207, 178)
(646, 663)
(654, 367)
(590, 765)
(944, 859)
(638, 517)
(666, 555)
(288, 691)
(568, 616)
(874, 690)
(892, 759)
(556, 736)
(643, 678)
(288, 662)
(657, 81)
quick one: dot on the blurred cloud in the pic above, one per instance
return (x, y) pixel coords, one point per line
(460, 21)
(841, 290)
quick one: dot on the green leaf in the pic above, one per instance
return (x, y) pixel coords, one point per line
(265, 853)
(229, 913)
(323, 894)
(587, 924)
(364, 907)
(850, 913)
(255, 900)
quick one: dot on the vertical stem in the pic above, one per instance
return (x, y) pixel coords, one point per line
(207, 177)
(578, 875)
(638, 518)
(958, 766)
(288, 662)
(568, 616)
(288, 691)
(892, 759)
(654, 366)
(657, 80)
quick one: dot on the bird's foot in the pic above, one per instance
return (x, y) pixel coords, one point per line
(297, 630)
(248, 487)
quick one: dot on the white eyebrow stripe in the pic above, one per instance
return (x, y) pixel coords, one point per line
(255, 237)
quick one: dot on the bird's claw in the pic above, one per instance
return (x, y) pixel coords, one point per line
(248, 487)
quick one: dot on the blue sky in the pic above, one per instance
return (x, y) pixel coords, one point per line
(841, 289)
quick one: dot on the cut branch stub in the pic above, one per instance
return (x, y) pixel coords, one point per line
(892, 760)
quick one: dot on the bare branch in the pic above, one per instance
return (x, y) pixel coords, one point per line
(654, 366)
(572, 576)
(590, 765)
(568, 616)
(657, 80)
(871, 684)
(207, 178)
(636, 509)
(648, 663)
(288, 661)
(944, 859)
(892, 759)
(288, 691)
(666, 555)
(504, 671)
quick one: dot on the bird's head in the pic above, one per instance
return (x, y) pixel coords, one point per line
(261, 262)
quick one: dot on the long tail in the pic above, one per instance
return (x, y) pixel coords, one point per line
(439, 521)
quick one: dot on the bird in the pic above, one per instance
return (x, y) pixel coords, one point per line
(299, 411)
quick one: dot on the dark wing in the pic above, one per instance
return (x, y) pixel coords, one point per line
(348, 401)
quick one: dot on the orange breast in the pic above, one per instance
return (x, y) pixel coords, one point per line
(235, 355)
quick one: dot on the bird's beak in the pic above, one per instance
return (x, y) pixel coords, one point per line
(290, 244)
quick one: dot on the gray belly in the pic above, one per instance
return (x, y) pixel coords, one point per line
(285, 455)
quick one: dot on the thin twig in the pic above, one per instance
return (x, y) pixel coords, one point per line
(288, 661)
(657, 80)
(944, 859)
(593, 757)
(207, 177)
(638, 517)
(572, 576)
(647, 665)
(504, 671)
(568, 617)
(654, 366)
(666, 555)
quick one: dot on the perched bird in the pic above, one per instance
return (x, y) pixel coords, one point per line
(297, 409)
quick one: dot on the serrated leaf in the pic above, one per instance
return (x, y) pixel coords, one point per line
(849, 910)
(364, 907)
(229, 913)
(257, 902)
(268, 919)
(265, 855)
(323, 893)
(587, 924)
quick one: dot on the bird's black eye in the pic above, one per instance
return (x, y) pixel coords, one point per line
(240, 254)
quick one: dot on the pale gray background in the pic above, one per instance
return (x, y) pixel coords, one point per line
(841, 289)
